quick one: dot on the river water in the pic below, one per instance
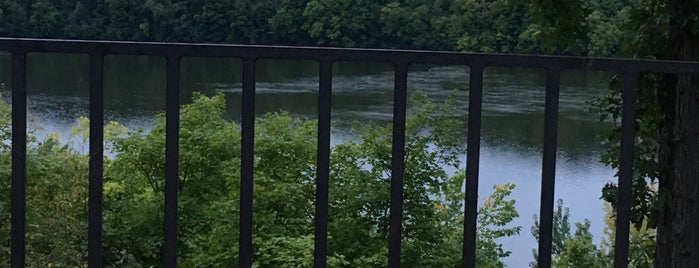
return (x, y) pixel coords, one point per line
(512, 134)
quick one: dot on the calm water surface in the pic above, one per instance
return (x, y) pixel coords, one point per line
(512, 113)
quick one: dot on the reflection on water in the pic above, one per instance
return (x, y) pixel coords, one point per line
(512, 112)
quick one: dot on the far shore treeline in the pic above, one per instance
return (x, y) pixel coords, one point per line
(470, 25)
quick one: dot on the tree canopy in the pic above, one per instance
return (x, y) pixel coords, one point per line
(284, 194)
(473, 25)
(666, 153)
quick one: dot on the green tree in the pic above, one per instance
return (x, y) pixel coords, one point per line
(605, 26)
(56, 200)
(126, 20)
(85, 21)
(410, 25)
(343, 22)
(250, 22)
(13, 18)
(45, 20)
(666, 147)
(678, 149)
(572, 249)
(208, 20)
(284, 24)
(162, 20)
(561, 231)
(472, 25)
(557, 25)
(488, 25)
(284, 194)
(578, 249)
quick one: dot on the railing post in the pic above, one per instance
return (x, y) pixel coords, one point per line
(548, 169)
(397, 164)
(172, 127)
(247, 163)
(19, 158)
(624, 194)
(323, 164)
(94, 240)
(473, 143)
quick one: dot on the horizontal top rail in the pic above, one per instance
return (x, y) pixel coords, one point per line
(20, 45)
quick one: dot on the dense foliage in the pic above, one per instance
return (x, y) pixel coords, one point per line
(597, 27)
(666, 145)
(577, 249)
(284, 194)
(473, 25)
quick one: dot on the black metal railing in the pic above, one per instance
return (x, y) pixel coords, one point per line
(401, 59)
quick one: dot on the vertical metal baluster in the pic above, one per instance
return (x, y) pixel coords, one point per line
(548, 173)
(19, 157)
(475, 100)
(323, 164)
(247, 163)
(397, 163)
(94, 240)
(624, 194)
(172, 126)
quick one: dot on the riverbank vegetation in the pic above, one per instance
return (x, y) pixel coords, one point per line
(284, 196)
(472, 25)
(666, 147)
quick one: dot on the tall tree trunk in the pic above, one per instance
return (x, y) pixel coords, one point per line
(678, 230)
(686, 166)
(666, 160)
